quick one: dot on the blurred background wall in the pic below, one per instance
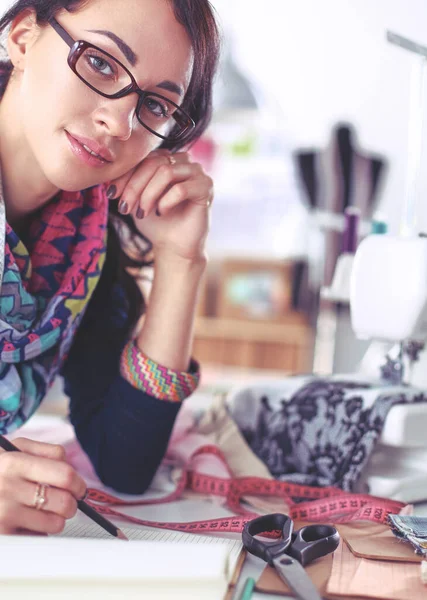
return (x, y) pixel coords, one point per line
(319, 62)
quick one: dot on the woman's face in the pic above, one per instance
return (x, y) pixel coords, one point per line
(55, 108)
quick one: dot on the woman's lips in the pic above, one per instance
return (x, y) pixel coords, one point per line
(86, 152)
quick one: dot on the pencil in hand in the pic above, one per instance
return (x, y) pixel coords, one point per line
(102, 521)
(83, 506)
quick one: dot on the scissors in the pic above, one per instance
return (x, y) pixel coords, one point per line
(293, 551)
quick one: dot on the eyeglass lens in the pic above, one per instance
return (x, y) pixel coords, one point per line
(109, 77)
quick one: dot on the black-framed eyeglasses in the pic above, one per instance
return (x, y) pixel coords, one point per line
(105, 75)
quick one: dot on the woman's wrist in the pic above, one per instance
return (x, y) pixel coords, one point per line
(167, 332)
(168, 261)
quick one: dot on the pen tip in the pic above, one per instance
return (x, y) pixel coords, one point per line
(121, 535)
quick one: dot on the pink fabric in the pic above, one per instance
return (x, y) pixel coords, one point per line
(184, 442)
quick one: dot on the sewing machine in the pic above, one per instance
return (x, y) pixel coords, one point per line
(388, 300)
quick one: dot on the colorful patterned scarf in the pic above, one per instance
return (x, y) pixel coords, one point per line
(44, 292)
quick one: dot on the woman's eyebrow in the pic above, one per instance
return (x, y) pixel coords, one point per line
(133, 59)
(123, 47)
(171, 87)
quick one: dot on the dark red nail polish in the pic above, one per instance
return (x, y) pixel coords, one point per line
(112, 192)
(140, 213)
(158, 213)
(123, 208)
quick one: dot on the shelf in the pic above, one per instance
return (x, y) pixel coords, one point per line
(286, 346)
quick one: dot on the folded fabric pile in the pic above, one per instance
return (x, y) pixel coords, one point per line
(413, 530)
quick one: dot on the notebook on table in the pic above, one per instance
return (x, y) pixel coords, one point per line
(154, 564)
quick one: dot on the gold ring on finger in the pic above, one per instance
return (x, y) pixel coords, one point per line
(40, 496)
(207, 203)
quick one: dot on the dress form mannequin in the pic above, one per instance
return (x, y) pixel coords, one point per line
(339, 176)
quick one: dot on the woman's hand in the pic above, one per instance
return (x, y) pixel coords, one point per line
(21, 474)
(169, 198)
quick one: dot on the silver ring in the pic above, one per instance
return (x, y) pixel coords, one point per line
(172, 159)
(40, 496)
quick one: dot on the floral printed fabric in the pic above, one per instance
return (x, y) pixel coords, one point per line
(316, 431)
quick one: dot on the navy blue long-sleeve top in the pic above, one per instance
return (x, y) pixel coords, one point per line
(123, 430)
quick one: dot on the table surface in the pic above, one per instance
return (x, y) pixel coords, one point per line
(190, 510)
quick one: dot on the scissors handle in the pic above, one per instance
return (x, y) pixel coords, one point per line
(312, 542)
(307, 544)
(267, 524)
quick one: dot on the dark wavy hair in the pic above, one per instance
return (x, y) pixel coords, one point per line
(198, 19)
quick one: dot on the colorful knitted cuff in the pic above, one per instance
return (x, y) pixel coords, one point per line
(162, 383)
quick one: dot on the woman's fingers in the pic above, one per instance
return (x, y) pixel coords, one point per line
(198, 192)
(56, 501)
(44, 470)
(130, 189)
(15, 516)
(115, 188)
(38, 489)
(52, 451)
(166, 177)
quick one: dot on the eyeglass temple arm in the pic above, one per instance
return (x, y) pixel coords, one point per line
(61, 31)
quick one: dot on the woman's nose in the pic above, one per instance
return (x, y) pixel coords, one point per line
(118, 116)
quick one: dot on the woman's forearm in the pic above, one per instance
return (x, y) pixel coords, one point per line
(167, 333)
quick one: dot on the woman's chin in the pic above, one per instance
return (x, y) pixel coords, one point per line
(68, 180)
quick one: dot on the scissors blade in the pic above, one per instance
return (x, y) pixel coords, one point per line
(292, 573)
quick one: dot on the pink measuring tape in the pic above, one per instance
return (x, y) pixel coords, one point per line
(303, 503)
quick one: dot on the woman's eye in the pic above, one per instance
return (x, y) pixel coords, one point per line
(157, 108)
(100, 65)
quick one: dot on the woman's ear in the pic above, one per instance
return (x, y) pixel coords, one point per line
(23, 32)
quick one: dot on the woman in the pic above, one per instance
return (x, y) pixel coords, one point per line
(99, 101)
